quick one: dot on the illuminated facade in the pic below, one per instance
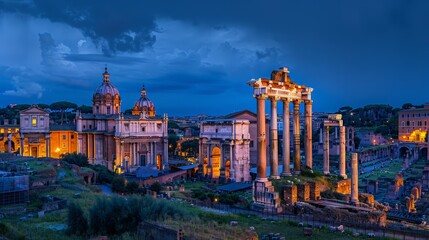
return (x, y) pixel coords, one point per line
(108, 137)
(413, 124)
(224, 149)
(34, 132)
(122, 142)
(9, 136)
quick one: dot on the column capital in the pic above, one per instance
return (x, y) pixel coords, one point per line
(274, 98)
(296, 101)
(285, 100)
(261, 96)
(310, 102)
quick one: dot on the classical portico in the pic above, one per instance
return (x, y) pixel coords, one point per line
(280, 88)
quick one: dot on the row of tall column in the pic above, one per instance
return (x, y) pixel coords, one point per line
(286, 136)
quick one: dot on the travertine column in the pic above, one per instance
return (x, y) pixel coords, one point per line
(262, 147)
(296, 138)
(354, 199)
(95, 149)
(118, 153)
(274, 141)
(22, 144)
(308, 134)
(121, 153)
(47, 142)
(9, 143)
(321, 136)
(286, 138)
(326, 151)
(342, 162)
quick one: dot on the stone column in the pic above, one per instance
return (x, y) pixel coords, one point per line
(137, 163)
(22, 144)
(296, 138)
(321, 135)
(286, 138)
(342, 162)
(122, 152)
(354, 198)
(232, 172)
(9, 143)
(156, 155)
(118, 153)
(47, 142)
(274, 173)
(131, 159)
(326, 151)
(308, 134)
(262, 147)
(95, 149)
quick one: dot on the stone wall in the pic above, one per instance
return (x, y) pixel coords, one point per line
(343, 186)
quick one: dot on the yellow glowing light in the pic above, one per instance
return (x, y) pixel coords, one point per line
(34, 122)
(215, 199)
(57, 150)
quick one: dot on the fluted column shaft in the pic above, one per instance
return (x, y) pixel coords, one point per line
(274, 140)
(262, 147)
(342, 162)
(286, 138)
(326, 150)
(296, 138)
(309, 134)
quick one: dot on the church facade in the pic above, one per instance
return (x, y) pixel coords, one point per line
(122, 143)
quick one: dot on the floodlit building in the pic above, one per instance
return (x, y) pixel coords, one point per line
(413, 124)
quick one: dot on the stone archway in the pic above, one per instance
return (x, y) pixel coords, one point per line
(6, 146)
(423, 153)
(205, 162)
(215, 162)
(227, 169)
(403, 151)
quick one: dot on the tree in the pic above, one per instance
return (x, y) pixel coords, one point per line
(43, 106)
(172, 142)
(156, 187)
(76, 221)
(76, 158)
(132, 187)
(407, 106)
(62, 107)
(190, 146)
(118, 184)
(85, 109)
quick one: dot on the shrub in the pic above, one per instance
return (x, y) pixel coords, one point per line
(156, 187)
(132, 187)
(104, 174)
(118, 184)
(77, 223)
(76, 158)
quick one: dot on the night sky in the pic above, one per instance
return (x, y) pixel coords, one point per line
(195, 57)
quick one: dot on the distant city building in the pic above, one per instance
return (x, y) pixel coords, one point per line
(413, 124)
(224, 149)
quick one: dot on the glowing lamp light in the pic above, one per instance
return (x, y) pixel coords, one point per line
(215, 199)
(57, 150)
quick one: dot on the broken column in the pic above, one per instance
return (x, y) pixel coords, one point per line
(342, 162)
(9, 143)
(326, 150)
(354, 198)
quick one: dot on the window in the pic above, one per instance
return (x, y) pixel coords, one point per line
(143, 129)
(64, 137)
(83, 126)
(403, 123)
(64, 145)
(108, 109)
(97, 109)
(251, 144)
(127, 127)
(90, 126)
(2, 130)
(34, 122)
(72, 136)
(412, 123)
(217, 130)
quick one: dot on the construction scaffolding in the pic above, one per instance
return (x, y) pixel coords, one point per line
(14, 189)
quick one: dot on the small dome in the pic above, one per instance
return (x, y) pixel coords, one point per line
(144, 105)
(106, 87)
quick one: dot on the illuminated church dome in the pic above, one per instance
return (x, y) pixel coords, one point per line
(144, 105)
(106, 98)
